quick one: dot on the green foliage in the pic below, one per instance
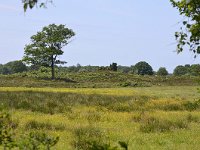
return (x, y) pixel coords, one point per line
(98, 146)
(37, 141)
(34, 141)
(180, 70)
(6, 131)
(143, 68)
(47, 45)
(189, 35)
(90, 138)
(86, 137)
(124, 69)
(162, 71)
(192, 70)
(123, 144)
(32, 3)
(195, 69)
(113, 67)
(4, 70)
(13, 67)
(192, 105)
(16, 67)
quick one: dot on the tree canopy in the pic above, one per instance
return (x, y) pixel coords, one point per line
(47, 45)
(180, 70)
(143, 68)
(189, 34)
(13, 67)
(162, 71)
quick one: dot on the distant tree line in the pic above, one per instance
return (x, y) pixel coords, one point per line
(13, 67)
(140, 68)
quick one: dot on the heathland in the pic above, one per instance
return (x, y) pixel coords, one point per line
(146, 112)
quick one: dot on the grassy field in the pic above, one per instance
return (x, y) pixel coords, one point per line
(157, 117)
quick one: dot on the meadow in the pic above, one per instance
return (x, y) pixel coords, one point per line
(151, 117)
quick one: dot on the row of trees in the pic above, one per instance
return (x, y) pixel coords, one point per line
(140, 68)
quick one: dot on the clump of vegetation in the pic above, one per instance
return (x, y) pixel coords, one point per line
(152, 124)
(35, 125)
(194, 105)
(162, 71)
(143, 68)
(92, 138)
(85, 136)
(192, 118)
(97, 146)
(35, 140)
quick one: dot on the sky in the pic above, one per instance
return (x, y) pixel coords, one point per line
(107, 31)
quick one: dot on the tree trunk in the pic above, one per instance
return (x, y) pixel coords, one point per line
(52, 68)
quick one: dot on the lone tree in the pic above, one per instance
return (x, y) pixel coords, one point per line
(189, 34)
(47, 45)
(143, 68)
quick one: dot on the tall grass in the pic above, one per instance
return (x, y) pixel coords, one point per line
(150, 118)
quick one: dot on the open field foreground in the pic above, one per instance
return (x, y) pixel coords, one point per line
(145, 117)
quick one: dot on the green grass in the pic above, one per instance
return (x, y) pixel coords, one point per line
(164, 117)
(150, 113)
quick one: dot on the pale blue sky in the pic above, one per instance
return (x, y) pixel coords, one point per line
(107, 31)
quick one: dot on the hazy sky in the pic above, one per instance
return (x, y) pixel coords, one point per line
(107, 31)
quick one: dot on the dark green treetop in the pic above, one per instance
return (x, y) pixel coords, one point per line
(16, 66)
(162, 71)
(113, 66)
(180, 70)
(143, 68)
